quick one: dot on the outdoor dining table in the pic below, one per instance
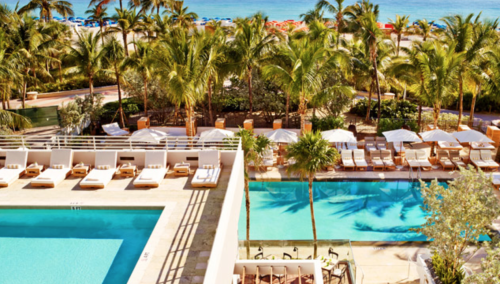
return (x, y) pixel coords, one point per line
(328, 265)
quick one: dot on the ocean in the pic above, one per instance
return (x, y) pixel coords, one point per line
(291, 9)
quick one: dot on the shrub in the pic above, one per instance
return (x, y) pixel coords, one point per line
(387, 124)
(129, 107)
(444, 271)
(327, 123)
(388, 109)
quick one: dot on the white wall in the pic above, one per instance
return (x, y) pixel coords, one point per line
(225, 248)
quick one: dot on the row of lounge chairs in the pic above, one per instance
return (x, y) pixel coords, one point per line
(482, 159)
(418, 159)
(375, 143)
(105, 167)
(355, 160)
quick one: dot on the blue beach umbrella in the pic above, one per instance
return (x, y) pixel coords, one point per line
(80, 18)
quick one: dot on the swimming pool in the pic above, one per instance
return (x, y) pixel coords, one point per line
(355, 210)
(72, 246)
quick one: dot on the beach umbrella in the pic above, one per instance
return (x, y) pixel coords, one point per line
(471, 136)
(436, 136)
(215, 135)
(401, 135)
(282, 136)
(338, 135)
(147, 135)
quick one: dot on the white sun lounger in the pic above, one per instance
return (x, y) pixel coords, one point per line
(475, 158)
(422, 160)
(102, 174)
(352, 145)
(486, 157)
(15, 167)
(386, 157)
(209, 169)
(370, 146)
(61, 161)
(155, 169)
(113, 129)
(411, 158)
(347, 160)
(496, 180)
(377, 162)
(359, 160)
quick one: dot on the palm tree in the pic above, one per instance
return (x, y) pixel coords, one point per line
(399, 26)
(370, 34)
(46, 7)
(253, 148)
(141, 61)
(315, 14)
(98, 14)
(440, 68)
(128, 21)
(307, 65)
(14, 120)
(183, 18)
(338, 11)
(248, 49)
(311, 154)
(113, 55)
(424, 28)
(178, 64)
(86, 55)
(355, 12)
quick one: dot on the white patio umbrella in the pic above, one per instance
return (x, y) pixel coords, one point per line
(215, 135)
(282, 136)
(338, 135)
(147, 135)
(471, 136)
(401, 135)
(436, 136)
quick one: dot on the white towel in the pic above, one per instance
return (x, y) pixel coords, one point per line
(44, 178)
(146, 177)
(92, 179)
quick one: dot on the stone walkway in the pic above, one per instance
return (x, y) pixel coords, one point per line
(180, 245)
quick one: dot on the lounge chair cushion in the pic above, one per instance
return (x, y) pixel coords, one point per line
(206, 176)
(8, 176)
(51, 176)
(98, 177)
(151, 177)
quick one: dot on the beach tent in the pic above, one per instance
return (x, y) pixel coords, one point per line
(338, 135)
(282, 136)
(147, 135)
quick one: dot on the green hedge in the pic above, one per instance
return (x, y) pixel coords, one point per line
(327, 123)
(388, 109)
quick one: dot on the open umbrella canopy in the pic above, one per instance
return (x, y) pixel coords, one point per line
(216, 134)
(147, 135)
(401, 135)
(471, 136)
(436, 136)
(282, 136)
(338, 135)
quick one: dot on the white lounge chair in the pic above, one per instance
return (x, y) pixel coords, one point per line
(340, 146)
(113, 129)
(209, 169)
(411, 159)
(268, 159)
(15, 167)
(495, 180)
(352, 146)
(456, 159)
(486, 157)
(347, 160)
(381, 145)
(359, 160)
(370, 146)
(102, 174)
(387, 159)
(377, 162)
(444, 160)
(155, 169)
(423, 160)
(475, 158)
(61, 162)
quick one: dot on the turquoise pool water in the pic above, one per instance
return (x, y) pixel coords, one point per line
(359, 211)
(64, 246)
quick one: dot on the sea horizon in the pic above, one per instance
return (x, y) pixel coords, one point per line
(280, 10)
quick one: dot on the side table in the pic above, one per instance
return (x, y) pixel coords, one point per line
(34, 170)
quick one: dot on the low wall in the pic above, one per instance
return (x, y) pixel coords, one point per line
(225, 248)
(77, 92)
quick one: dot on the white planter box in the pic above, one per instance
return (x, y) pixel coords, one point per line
(424, 272)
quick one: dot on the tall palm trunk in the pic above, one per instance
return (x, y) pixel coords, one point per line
(313, 219)
(250, 95)
(4, 96)
(145, 96)
(473, 105)
(369, 107)
(60, 73)
(460, 98)
(121, 5)
(302, 112)
(25, 87)
(91, 87)
(399, 43)
(247, 207)
(210, 101)
(120, 106)
(125, 44)
(378, 90)
(287, 110)
(419, 114)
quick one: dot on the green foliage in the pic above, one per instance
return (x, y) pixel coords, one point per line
(387, 124)
(327, 123)
(388, 109)
(490, 268)
(471, 198)
(71, 115)
(445, 119)
(444, 271)
(129, 107)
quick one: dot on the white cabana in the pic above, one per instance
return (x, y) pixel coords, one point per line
(401, 135)
(147, 135)
(215, 135)
(282, 136)
(470, 136)
(338, 135)
(436, 136)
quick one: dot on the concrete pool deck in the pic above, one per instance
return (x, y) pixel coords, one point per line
(179, 247)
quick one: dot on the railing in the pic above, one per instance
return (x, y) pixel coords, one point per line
(47, 142)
